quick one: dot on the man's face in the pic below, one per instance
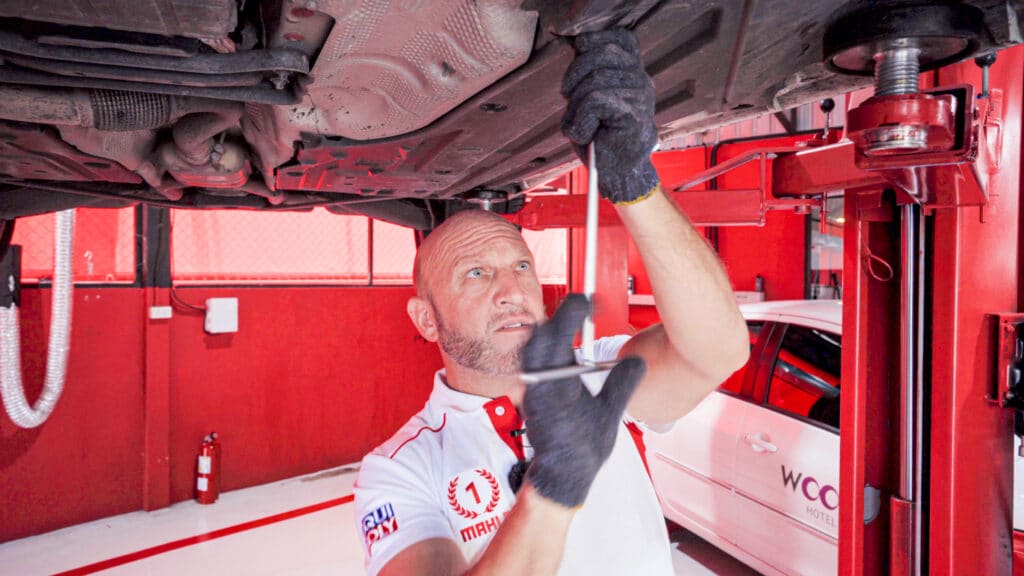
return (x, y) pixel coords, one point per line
(486, 297)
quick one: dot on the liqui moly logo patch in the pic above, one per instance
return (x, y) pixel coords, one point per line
(379, 524)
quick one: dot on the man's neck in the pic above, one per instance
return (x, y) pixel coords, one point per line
(478, 383)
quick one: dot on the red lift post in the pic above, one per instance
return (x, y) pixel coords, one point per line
(932, 239)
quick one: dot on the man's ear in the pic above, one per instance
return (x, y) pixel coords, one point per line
(422, 315)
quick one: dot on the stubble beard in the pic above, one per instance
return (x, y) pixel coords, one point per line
(478, 354)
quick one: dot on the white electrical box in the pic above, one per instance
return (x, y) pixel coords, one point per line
(221, 315)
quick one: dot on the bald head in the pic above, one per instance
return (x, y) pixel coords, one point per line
(444, 245)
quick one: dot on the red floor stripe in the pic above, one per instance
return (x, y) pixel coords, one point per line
(174, 545)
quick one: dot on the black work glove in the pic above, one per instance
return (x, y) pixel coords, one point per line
(611, 101)
(572, 431)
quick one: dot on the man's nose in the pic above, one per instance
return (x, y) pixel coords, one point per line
(508, 289)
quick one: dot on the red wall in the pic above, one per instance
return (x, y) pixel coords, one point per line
(85, 462)
(775, 250)
(314, 378)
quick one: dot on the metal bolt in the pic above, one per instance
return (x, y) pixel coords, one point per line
(897, 68)
(827, 106)
(280, 80)
(487, 199)
(984, 62)
(311, 5)
(215, 157)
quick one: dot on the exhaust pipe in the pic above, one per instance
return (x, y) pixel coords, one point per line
(108, 110)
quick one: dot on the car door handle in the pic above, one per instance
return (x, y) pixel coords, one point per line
(760, 442)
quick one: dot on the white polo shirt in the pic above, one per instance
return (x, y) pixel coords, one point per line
(444, 474)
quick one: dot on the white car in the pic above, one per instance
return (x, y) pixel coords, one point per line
(754, 468)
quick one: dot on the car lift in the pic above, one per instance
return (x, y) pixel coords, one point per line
(932, 184)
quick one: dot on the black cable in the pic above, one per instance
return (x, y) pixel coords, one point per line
(176, 300)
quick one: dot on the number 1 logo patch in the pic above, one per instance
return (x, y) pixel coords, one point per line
(473, 493)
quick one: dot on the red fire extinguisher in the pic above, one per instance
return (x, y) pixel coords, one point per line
(208, 470)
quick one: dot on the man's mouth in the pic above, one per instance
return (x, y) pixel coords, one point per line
(519, 325)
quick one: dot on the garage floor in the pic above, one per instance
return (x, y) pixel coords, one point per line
(302, 526)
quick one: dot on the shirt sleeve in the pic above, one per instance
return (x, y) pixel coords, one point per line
(395, 508)
(607, 349)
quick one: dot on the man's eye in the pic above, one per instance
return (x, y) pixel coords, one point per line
(523, 266)
(475, 273)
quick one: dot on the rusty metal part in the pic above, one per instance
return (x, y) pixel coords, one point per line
(102, 109)
(190, 18)
(389, 68)
(231, 170)
(32, 152)
(230, 63)
(193, 134)
(265, 94)
(128, 74)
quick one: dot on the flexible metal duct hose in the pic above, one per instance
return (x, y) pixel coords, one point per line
(11, 386)
(115, 110)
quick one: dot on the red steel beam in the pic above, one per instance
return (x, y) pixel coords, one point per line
(703, 207)
(870, 301)
(819, 170)
(976, 254)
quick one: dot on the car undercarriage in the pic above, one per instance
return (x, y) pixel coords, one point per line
(397, 110)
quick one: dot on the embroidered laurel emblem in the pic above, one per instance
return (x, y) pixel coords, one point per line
(495, 490)
(492, 502)
(453, 500)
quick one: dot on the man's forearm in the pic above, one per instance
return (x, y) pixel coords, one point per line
(702, 325)
(531, 540)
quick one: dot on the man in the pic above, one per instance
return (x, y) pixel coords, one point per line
(447, 494)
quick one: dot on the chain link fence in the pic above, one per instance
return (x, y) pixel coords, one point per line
(242, 247)
(226, 246)
(317, 247)
(394, 250)
(104, 246)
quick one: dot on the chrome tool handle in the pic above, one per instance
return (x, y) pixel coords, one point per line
(590, 256)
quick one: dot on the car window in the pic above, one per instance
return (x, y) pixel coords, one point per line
(805, 379)
(734, 383)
